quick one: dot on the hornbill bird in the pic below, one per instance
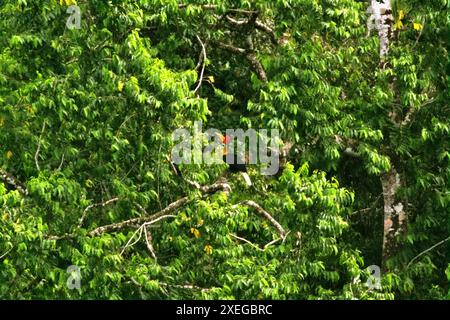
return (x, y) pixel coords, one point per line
(233, 166)
(238, 163)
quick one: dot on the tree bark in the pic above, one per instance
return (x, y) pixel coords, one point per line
(395, 217)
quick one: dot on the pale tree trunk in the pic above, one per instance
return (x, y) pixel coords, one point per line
(395, 216)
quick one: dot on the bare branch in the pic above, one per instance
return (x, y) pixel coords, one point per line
(140, 230)
(215, 187)
(140, 220)
(418, 37)
(149, 240)
(411, 112)
(6, 253)
(61, 163)
(101, 204)
(262, 27)
(36, 155)
(185, 286)
(428, 250)
(258, 25)
(129, 244)
(246, 241)
(266, 215)
(231, 48)
(254, 245)
(215, 7)
(250, 56)
(271, 243)
(203, 65)
(149, 219)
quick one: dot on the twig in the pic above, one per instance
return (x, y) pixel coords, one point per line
(258, 25)
(185, 286)
(147, 219)
(158, 187)
(148, 240)
(231, 48)
(203, 66)
(6, 253)
(261, 26)
(139, 232)
(101, 204)
(428, 250)
(141, 229)
(250, 56)
(264, 213)
(214, 7)
(246, 241)
(271, 243)
(140, 220)
(36, 155)
(420, 34)
(61, 163)
(411, 112)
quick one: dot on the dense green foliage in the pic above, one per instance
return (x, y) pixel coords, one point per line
(86, 122)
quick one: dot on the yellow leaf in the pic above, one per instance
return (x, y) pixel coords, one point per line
(417, 26)
(67, 2)
(208, 249)
(398, 24)
(9, 154)
(200, 223)
(120, 86)
(195, 232)
(89, 183)
(401, 14)
(211, 79)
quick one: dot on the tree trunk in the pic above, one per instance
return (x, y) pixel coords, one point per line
(395, 217)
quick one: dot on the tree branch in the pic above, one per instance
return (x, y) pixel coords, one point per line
(215, 7)
(203, 65)
(266, 215)
(102, 204)
(140, 220)
(7, 178)
(148, 219)
(250, 56)
(258, 25)
(149, 242)
(36, 155)
(428, 250)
